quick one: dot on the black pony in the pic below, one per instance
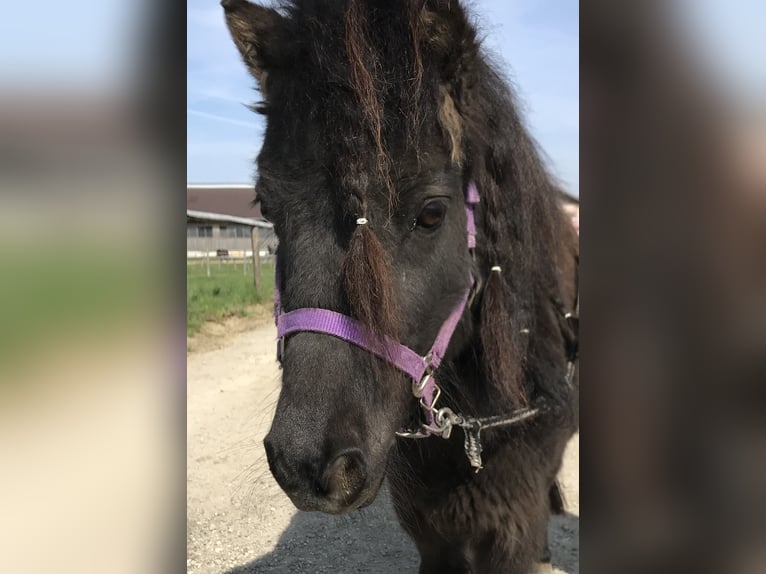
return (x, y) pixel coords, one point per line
(387, 110)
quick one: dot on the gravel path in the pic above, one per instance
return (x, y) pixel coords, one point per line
(240, 522)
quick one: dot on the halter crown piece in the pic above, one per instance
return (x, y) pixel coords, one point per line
(421, 369)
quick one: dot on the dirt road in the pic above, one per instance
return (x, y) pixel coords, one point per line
(240, 522)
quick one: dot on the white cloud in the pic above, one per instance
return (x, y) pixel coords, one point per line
(217, 118)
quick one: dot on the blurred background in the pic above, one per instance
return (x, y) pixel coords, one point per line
(672, 170)
(673, 230)
(92, 357)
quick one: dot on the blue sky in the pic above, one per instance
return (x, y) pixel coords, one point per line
(537, 38)
(96, 43)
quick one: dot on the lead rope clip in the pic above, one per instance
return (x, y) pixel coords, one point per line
(472, 444)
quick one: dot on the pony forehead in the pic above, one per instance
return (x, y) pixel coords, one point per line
(349, 182)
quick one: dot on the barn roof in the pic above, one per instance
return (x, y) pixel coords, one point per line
(205, 216)
(235, 200)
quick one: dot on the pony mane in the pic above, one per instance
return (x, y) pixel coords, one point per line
(528, 237)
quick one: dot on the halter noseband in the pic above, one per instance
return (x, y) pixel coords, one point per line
(421, 369)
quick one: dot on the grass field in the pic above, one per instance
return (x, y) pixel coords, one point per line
(71, 292)
(226, 293)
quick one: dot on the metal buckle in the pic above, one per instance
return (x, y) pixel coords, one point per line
(433, 403)
(446, 419)
(425, 431)
(419, 387)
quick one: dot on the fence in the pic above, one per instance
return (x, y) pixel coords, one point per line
(211, 265)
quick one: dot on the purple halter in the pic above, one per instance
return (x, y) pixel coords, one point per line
(420, 368)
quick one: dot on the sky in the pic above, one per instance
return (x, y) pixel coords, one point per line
(536, 40)
(96, 44)
(727, 37)
(78, 44)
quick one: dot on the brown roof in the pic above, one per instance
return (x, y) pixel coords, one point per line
(236, 200)
(73, 119)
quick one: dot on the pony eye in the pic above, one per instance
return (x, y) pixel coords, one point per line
(432, 214)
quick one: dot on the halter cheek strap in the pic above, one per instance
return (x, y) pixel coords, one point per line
(471, 201)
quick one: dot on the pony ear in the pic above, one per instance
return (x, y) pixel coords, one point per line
(445, 30)
(255, 31)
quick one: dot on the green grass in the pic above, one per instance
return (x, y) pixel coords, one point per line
(227, 292)
(70, 291)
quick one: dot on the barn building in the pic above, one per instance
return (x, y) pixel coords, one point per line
(571, 204)
(222, 221)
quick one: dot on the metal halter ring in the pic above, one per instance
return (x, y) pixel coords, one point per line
(445, 416)
(432, 406)
(419, 387)
(444, 420)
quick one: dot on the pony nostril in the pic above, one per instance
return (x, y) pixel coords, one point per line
(346, 476)
(314, 485)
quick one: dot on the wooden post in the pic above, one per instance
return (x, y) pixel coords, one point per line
(256, 259)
